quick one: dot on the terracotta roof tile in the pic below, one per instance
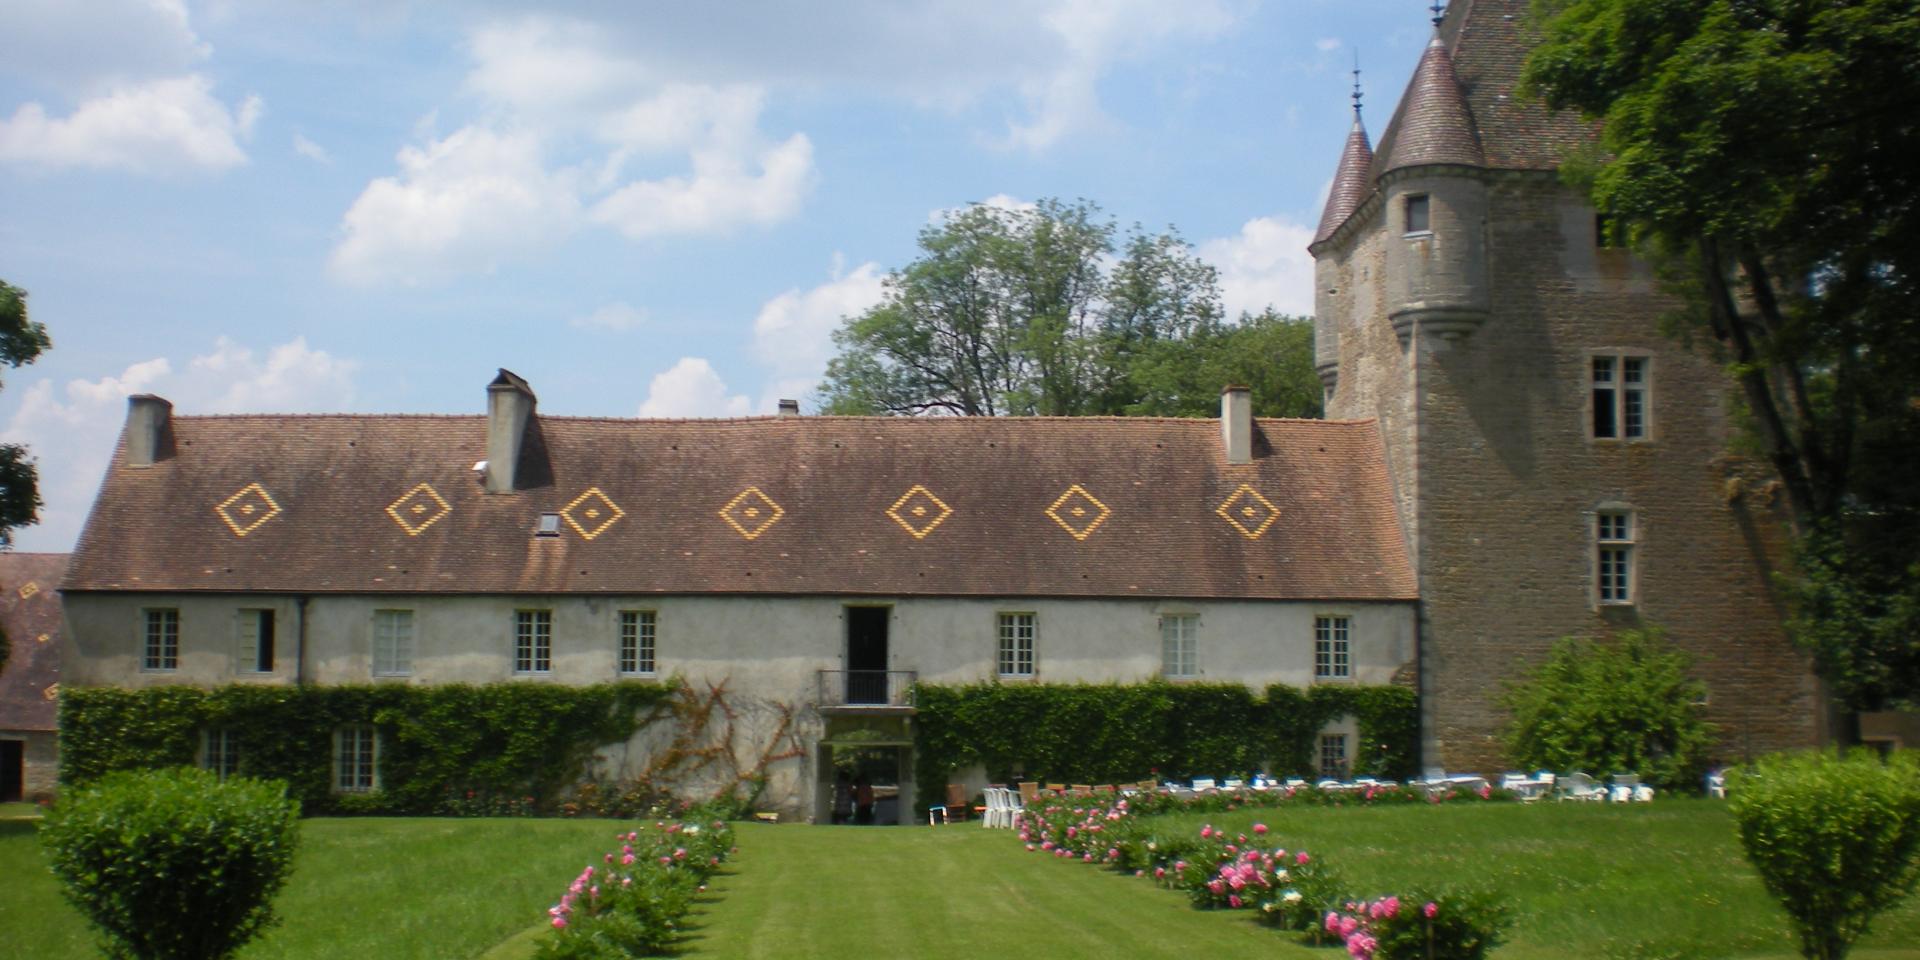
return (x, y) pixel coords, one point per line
(30, 613)
(1432, 124)
(1351, 182)
(1491, 40)
(363, 504)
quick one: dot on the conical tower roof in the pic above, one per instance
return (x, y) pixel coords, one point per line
(1432, 124)
(1350, 183)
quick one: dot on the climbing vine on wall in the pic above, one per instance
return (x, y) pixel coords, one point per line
(435, 743)
(1103, 733)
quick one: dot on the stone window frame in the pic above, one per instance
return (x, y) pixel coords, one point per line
(532, 626)
(399, 660)
(1174, 655)
(1007, 661)
(1621, 542)
(356, 758)
(159, 653)
(645, 638)
(1338, 628)
(1407, 207)
(247, 646)
(1620, 391)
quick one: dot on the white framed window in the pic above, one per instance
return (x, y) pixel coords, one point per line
(392, 643)
(356, 758)
(253, 640)
(1179, 645)
(220, 752)
(1613, 556)
(1332, 657)
(1621, 386)
(1419, 214)
(1018, 632)
(637, 635)
(162, 650)
(1333, 756)
(533, 641)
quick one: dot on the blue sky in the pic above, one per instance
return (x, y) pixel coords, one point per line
(655, 209)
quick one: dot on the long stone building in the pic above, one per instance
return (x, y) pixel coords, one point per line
(1514, 454)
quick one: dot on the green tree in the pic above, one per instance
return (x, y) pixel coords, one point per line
(21, 341)
(1762, 152)
(1836, 839)
(1052, 311)
(1625, 705)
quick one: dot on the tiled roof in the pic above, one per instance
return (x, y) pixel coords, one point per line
(1351, 182)
(1432, 124)
(30, 614)
(1490, 40)
(1097, 507)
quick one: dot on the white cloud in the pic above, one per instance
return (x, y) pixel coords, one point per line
(310, 150)
(1265, 264)
(71, 429)
(85, 48)
(793, 332)
(999, 201)
(1327, 44)
(692, 389)
(616, 316)
(469, 202)
(157, 126)
(723, 192)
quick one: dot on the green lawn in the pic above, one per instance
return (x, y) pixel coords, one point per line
(1600, 882)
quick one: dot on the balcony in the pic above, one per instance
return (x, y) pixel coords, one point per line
(866, 691)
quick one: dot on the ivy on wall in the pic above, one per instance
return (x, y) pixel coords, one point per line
(1106, 733)
(435, 743)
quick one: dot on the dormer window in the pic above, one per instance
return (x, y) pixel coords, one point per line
(1418, 220)
(549, 525)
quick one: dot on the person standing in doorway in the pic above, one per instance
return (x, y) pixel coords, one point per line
(842, 797)
(862, 799)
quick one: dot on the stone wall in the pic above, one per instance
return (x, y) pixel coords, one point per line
(1495, 428)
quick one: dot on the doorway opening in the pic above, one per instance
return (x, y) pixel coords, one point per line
(867, 654)
(13, 770)
(866, 782)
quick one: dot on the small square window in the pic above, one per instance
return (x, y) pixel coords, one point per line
(1419, 219)
(549, 525)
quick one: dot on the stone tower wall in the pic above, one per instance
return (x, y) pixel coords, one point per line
(1488, 435)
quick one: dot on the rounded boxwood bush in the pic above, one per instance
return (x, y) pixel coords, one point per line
(1836, 839)
(173, 864)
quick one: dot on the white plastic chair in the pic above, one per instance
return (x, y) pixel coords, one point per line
(1202, 784)
(1623, 787)
(1717, 784)
(1232, 784)
(1579, 786)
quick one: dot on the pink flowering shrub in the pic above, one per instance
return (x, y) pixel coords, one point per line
(1418, 927)
(629, 904)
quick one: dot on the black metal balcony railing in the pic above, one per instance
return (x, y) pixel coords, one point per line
(866, 688)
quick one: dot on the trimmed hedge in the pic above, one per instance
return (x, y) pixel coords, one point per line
(438, 744)
(1103, 733)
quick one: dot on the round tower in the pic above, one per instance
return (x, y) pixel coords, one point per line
(1352, 182)
(1431, 177)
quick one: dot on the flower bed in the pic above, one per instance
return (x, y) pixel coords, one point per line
(630, 904)
(1291, 889)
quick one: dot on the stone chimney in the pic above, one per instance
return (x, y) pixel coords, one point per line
(789, 408)
(149, 429)
(510, 405)
(1236, 423)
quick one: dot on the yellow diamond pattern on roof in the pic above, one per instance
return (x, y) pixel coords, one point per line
(28, 589)
(751, 513)
(1248, 512)
(247, 509)
(418, 509)
(597, 510)
(1078, 512)
(918, 511)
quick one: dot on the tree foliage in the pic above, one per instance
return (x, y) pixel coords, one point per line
(174, 864)
(21, 342)
(1621, 706)
(1835, 839)
(1764, 152)
(1051, 311)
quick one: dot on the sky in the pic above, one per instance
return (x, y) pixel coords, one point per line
(643, 208)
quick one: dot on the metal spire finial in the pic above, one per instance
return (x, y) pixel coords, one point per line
(1439, 12)
(1356, 83)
